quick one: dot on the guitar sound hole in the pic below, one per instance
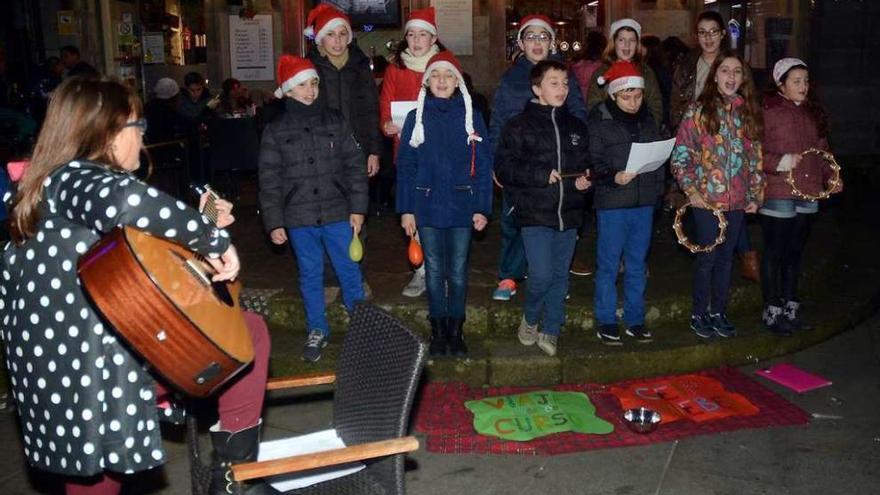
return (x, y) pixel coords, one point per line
(221, 290)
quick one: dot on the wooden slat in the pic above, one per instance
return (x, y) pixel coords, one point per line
(301, 381)
(252, 470)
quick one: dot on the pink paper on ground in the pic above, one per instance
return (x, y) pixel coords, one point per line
(793, 377)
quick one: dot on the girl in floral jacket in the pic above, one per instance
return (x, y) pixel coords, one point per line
(717, 162)
(795, 123)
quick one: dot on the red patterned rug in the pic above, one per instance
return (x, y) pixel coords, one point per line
(441, 415)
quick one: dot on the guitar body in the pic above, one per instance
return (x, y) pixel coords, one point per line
(155, 294)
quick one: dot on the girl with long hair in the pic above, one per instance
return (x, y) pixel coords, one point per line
(87, 405)
(794, 122)
(717, 163)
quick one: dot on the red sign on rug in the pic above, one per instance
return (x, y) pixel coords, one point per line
(694, 397)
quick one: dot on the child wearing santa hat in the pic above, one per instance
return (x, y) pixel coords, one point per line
(403, 80)
(313, 192)
(536, 38)
(444, 191)
(624, 201)
(346, 83)
(542, 162)
(624, 43)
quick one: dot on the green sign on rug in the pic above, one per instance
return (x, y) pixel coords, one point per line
(522, 417)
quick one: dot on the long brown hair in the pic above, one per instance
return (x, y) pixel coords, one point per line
(83, 118)
(609, 56)
(711, 99)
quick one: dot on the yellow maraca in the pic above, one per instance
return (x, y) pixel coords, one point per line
(356, 249)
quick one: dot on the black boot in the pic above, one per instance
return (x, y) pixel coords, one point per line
(234, 448)
(439, 339)
(457, 347)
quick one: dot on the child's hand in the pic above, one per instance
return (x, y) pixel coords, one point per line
(582, 183)
(408, 222)
(372, 165)
(278, 236)
(696, 200)
(356, 221)
(624, 178)
(752, 207)
(390, 129)
(554, 177)
(480, 221)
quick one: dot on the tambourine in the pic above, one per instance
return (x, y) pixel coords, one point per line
(833, 182)
(696, 248)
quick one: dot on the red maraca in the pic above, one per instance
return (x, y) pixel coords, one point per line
(416, 256)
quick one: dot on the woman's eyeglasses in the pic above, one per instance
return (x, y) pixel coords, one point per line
(141, 125)
(712, 33)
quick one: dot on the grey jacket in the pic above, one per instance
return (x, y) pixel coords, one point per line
(311, 169)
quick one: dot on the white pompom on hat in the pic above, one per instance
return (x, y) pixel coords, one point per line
(166, 88)
(422, 19)
(537, 20)
(629, 23)
(293, 70)
(324, 18)
(784, 65)
(443, 60)
(622, 74)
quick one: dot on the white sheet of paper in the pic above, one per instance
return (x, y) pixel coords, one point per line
(306, 444)
(648, 157)
(399, 109)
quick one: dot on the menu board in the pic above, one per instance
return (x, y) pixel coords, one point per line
(455, 24)
(251, 51)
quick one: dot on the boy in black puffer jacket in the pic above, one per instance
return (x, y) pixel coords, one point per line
(542, 163)
(624, 201)
(313, 192)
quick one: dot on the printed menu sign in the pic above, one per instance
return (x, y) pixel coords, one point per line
(251, 51)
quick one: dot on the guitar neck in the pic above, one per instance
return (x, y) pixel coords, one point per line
(210, 210)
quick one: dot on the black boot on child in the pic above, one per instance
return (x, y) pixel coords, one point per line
(457, 347)
(439, 337)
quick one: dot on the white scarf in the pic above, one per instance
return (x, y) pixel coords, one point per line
(415, 63)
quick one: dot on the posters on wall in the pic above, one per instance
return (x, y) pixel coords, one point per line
(154, 48)
(251, 50)
(455, 20)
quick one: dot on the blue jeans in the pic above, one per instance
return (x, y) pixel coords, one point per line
(548, 254)
(626, 233)
(309, 244)
(512, 262)
(446, 277)
(712, 270)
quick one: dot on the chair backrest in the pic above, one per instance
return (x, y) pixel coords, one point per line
(376, 378)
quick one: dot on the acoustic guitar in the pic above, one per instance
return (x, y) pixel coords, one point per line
(159, 297)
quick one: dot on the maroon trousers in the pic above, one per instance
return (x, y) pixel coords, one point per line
(239, 406)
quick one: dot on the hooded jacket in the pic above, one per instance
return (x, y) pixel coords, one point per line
(311, 170)
(352, 91)
(541, 139)
(438, 182)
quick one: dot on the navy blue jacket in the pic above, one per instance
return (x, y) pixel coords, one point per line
(515, 91)
(434, 181)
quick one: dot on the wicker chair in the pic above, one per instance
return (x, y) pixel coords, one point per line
(376, 378)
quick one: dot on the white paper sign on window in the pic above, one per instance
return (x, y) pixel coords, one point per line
(251, 50)
(455, 23)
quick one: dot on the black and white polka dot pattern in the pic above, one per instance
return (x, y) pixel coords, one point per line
(85, 402)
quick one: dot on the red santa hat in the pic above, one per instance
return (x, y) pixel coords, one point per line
(293, 70)
(444, 60)
(622, 74)
(422, 19)
(626, 23)
(324, 18)
(538, 20)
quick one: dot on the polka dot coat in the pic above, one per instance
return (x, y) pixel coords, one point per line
(85, 402)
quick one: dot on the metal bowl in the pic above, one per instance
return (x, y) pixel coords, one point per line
(641, 420)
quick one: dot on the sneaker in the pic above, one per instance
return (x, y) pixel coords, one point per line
(775, 321)
(547, 343)
(702, 327)
(791, 312)
(506, 289)
(527, 334)
(580, 268)
(609, 334)
(640, 333)
(723, 327)
(330, 295)
(416, 286)
(315, 342)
